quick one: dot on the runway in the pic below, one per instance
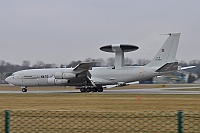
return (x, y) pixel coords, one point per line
(175, 90)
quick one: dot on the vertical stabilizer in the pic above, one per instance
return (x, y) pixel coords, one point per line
(167, 52)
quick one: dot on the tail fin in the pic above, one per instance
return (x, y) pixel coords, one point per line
(167, 52)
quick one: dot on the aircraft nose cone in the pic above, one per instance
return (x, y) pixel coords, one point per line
(8, 79)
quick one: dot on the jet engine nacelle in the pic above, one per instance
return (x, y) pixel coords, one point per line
(60, 75)
(53, 81)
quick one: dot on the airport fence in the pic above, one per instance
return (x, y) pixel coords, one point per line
(98, 122)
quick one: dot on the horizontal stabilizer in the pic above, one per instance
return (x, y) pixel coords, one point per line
(184, 68)
(83, 67)
(168, 67)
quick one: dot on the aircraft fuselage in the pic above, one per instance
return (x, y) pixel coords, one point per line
(99, 75)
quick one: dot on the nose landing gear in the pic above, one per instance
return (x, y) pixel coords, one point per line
(24, 89)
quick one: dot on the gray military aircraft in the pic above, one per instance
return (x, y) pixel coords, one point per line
(88, 78)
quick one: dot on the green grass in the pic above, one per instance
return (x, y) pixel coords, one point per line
(99, 102)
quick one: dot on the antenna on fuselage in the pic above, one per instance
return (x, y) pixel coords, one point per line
(119, 50)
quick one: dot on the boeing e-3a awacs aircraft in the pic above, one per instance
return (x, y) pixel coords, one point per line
(88, 78)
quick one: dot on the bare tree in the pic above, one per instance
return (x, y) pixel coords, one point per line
(2, 62)
(142, 62)
(39, 64)
(111, 61)
(50, 65)
(99, 62)
(26, 63)
(96, 62)
(182, 63)
(128, 61)
(89, 60)
(194, 62)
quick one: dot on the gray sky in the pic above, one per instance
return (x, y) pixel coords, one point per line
(59, 31)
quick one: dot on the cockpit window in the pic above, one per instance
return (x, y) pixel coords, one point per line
(13, 74)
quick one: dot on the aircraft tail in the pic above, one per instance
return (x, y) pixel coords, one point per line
(167, 52)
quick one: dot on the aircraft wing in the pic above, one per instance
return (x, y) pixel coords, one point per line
(168, 67)
(83, 67)
(83, 78)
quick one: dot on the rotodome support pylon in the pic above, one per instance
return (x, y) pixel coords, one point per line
(119, 50)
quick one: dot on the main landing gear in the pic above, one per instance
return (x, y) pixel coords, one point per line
(24, 89)
(92, 89)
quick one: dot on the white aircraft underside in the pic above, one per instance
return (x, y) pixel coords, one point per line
(89, 78)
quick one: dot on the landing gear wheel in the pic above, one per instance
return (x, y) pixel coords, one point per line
(24, 90)
(83, 90)
(88, 89)
(94, 89)
(100, 89)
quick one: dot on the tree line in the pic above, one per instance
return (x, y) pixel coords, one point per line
(8, 67)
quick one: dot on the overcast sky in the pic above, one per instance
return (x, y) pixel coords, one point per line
(60, 31)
